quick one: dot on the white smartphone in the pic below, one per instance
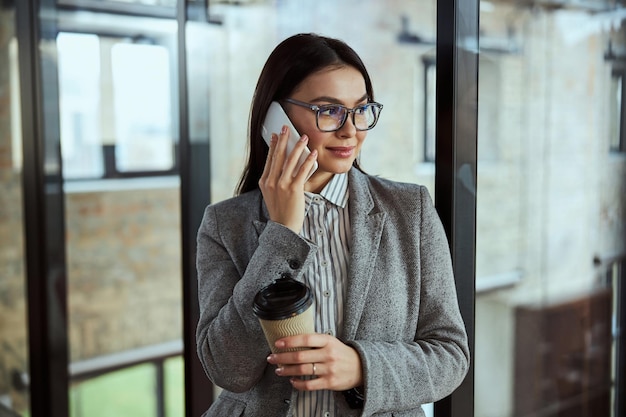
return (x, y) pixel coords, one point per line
(274, 121)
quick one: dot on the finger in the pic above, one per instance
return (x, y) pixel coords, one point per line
(272, 145)
(263, 179)
(310, 340)
(293, 157)
(303, 173)
(270, 153)
(297, 358)
(278, 159)
(303, 369)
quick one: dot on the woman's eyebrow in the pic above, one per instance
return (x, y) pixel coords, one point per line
(336, 100)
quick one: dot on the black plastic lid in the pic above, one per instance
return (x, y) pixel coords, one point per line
(282, 299)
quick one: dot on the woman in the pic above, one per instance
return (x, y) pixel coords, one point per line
(389, 336)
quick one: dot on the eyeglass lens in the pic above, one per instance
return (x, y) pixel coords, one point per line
(332, 117)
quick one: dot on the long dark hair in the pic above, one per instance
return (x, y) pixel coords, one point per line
(293, 60)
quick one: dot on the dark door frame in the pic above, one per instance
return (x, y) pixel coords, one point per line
(44, 213)
(455, 166)
(195, 180)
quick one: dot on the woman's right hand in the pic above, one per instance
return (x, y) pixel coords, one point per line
(282, 188)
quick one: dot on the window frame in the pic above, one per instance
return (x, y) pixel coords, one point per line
(429, 63)
(455, 167)
(618, 141)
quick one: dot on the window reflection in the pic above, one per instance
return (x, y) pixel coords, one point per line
(79, 103)
(550, 215)
(143, 114)
(118, 112)
(615, 108)
(115, 106)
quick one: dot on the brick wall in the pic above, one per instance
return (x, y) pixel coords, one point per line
(124, 263)
(13, 337)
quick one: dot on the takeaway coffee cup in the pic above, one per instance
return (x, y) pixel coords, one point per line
(284, 308)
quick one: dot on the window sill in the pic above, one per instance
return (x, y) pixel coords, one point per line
(498, 281)
(122, 184)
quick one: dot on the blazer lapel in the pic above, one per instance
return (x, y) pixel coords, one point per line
(367, 225)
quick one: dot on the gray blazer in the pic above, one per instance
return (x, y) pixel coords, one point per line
(401, 312)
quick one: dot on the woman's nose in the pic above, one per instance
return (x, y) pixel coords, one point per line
(348, 129)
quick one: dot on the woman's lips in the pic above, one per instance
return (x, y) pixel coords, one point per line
(342, 151)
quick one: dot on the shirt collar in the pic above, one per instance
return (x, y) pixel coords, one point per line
(336, 191)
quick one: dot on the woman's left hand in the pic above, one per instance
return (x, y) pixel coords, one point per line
(335, 365)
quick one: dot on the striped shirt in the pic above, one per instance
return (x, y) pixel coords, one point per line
(327, 225)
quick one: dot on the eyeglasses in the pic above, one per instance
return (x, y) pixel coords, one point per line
(332, 117)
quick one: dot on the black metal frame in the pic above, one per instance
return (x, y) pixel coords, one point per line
(619, 71)
(111, 171)
(195, 180)
(614, 268)
(455, 165)
(116, 7)
(44, 225)
(620, 342)
(428, 62)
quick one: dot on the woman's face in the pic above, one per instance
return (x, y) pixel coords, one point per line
(336, 150)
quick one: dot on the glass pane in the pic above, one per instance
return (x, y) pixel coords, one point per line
(14, 393)
(123, 235)
(174, 380)
(143, 112)
(396, 40)
(79, 103)
(381, 32)
(551, 204)
(121, 393)
(115, 104)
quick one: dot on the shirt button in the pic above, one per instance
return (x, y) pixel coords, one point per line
(329, 332)
(294, 264)
(326, 414)
(326, 293)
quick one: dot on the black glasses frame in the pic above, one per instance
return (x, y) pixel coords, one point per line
(315, 108)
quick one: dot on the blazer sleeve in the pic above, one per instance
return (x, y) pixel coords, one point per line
(402, 375)
(232, 266)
